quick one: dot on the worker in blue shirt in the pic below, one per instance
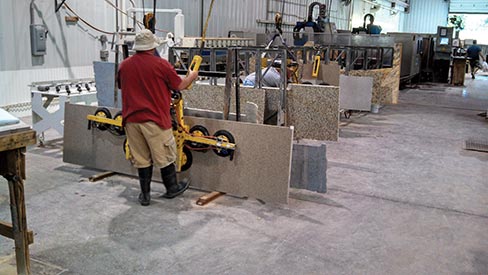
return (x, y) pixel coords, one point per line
(474, 54)
(372, 28)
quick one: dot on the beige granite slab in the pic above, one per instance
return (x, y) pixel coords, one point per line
(261, 166)
(260, 169)
(355, 93)
(329, 73)
(313, 110)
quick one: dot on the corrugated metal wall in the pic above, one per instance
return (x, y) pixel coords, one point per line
(425, 16)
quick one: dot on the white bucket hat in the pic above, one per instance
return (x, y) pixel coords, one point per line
(145, 40)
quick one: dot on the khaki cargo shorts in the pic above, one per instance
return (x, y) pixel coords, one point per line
(149, 145)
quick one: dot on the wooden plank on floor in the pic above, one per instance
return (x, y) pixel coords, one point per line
(6, 230)
(100, 176)
(205, 199)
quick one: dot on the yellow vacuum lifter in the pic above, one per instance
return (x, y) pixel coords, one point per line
(187, 139)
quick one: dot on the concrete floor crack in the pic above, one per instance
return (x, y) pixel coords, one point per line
(456, 211)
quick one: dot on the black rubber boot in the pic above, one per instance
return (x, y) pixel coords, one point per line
(145, 175)
(173, 187)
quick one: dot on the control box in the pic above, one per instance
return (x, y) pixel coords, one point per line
(38, 39)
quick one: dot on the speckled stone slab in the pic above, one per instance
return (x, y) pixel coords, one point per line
(260, 169)
(211, 97)
(314, 111)
(356, 93)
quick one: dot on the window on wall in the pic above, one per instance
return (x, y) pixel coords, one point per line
(468, 6)
(475, 26)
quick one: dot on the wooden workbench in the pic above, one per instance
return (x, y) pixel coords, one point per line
(13, 142)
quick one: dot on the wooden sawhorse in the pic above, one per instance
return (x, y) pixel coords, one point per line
(13, 144)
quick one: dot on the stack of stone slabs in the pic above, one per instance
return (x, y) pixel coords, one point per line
(260, 169)
(313, 110)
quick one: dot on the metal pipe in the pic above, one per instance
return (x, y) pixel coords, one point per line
(237, 85)
(31, 11)
(139, 10)
(228, 83)
(202, 14)
(282, 7)
(116, 67)
(351, 10)
(153, 28)
(123, 18)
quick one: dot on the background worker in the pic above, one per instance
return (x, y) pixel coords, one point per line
(272, 78)
(474, 54)
(146, 82)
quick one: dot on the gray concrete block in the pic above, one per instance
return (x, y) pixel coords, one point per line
(309, 166)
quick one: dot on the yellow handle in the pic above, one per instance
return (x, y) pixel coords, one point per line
(194, 66)
(195, 63)
(316, 66)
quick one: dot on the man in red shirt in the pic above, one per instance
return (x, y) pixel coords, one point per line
(146, 82)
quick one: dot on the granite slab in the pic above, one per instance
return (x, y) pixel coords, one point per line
(329, 74)
(260, 169)
(355, 93)
(211, 97)
(313, 110)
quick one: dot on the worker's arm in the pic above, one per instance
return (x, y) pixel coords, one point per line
(185, 82)
(482, 57)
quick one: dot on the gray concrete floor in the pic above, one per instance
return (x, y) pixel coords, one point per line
(404, 198)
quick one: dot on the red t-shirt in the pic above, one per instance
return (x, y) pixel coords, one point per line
(146, 81)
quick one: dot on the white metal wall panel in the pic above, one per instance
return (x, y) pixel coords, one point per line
(340, 14)
(468, 6)
(67, 45)
(190, 8)
(242, 14)
(387, 18)
(237, 15)
(425, 16)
